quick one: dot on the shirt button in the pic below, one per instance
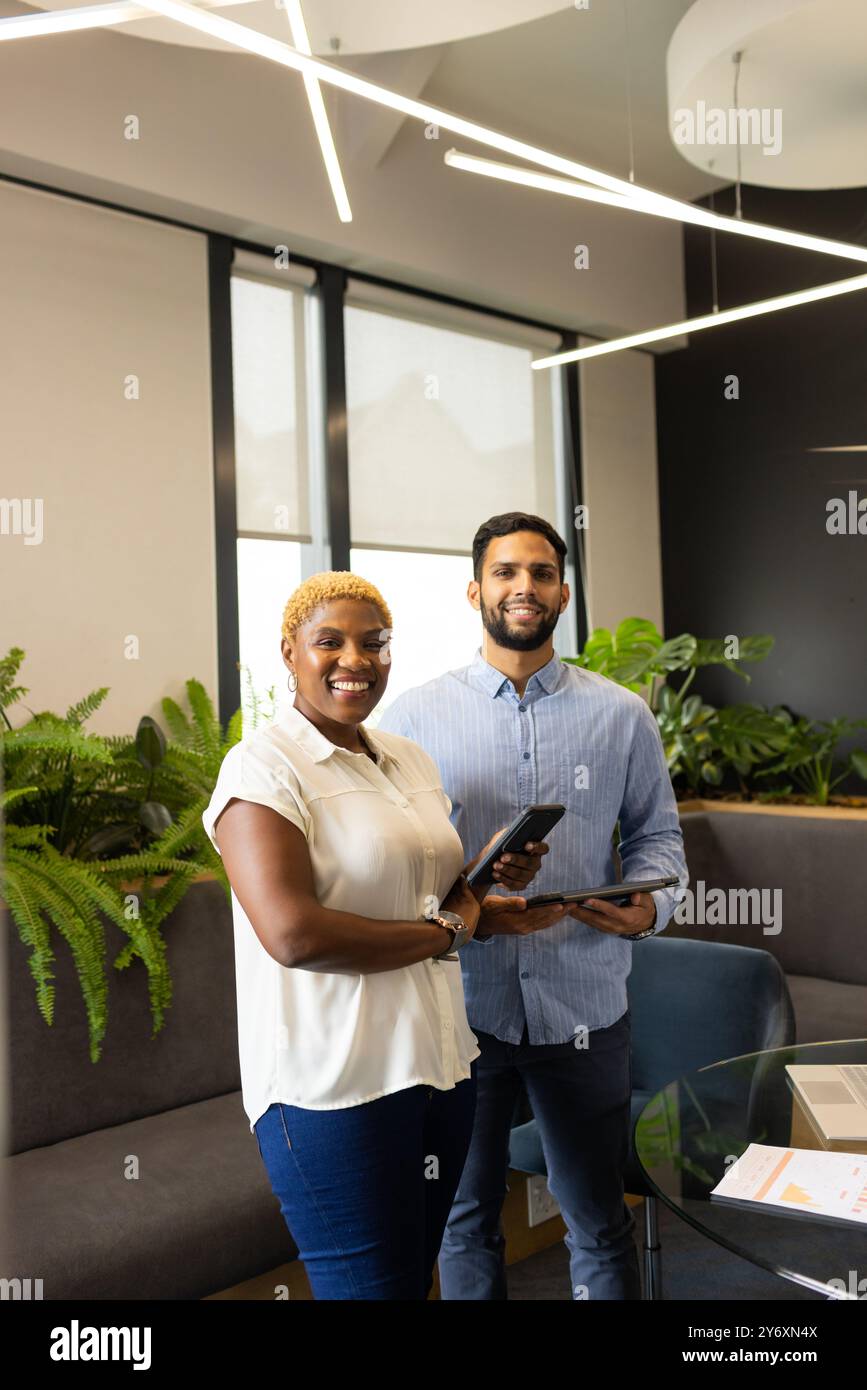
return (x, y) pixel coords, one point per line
(403, 802)
(525, 974)
(522, 709)
(429, 853)
(525, 756)
(447, 1023)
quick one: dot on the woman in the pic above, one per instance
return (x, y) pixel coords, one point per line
(348, 895)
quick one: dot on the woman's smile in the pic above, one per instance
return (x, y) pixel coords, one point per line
(351, 688)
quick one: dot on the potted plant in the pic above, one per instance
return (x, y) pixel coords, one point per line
(743, 744)
(106, 827)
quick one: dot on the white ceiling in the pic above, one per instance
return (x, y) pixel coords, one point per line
(227, 142)
(354, 26)
(562, 81)
(559, 79)
(803, 69)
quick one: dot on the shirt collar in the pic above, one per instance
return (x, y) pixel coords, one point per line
(318, 747)
(492, 681)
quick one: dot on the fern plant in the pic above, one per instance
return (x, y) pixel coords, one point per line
(104, 827)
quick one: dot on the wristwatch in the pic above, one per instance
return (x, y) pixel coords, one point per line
(458, 931)
(648, 931)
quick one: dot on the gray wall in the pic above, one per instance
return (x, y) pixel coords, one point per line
(743, 497)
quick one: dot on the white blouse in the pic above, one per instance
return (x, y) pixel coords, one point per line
(381, 845)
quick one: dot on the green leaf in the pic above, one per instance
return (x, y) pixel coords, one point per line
(858, 759)
(150, 743)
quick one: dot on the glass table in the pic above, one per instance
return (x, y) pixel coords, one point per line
(688, 1135)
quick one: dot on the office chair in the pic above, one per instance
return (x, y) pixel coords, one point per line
(691, 1003)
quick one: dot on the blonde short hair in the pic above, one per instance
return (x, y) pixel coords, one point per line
(323, 588)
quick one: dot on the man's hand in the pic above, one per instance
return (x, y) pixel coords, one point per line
(514, 871)
(620, 921)
(512, 917)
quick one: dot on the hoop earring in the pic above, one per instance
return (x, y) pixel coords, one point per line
(289, 680)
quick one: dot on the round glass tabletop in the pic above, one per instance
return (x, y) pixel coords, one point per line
(689, 1134)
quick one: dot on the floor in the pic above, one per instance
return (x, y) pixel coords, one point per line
(693, 1268)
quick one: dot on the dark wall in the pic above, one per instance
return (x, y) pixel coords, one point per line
(743, 502)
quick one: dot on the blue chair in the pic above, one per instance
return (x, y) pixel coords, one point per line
(691, 1003)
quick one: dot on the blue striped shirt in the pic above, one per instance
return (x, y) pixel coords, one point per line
(577, 738)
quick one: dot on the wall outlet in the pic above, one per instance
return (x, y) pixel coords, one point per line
(541, 1206)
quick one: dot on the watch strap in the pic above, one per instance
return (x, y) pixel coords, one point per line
(452, 931)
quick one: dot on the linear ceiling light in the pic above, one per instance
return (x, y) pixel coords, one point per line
(26, 26)
(532, 178)
(250, 41)
(320, 115)
(653, 203)
(744, 311)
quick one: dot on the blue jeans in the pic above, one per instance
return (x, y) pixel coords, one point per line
(581, 1102)
(365, 1191)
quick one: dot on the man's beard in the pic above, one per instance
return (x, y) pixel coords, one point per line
(496, 626)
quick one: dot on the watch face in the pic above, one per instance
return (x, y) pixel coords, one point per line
(452, 918)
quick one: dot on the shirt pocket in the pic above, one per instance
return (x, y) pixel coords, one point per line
(592, 782)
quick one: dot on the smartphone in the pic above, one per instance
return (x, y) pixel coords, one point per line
(532, 824)
(613, 891)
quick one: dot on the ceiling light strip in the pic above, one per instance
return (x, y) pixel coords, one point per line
(653, 204)
(674, 330)
(532, 178)
(250, 41)
(320, 116)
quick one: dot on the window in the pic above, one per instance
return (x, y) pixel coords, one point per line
(435, 628)
(447, 425)
(277, 461)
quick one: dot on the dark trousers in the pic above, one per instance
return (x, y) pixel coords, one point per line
(365, 1191)
(581, 1102)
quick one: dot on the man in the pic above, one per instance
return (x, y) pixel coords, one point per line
(549, 1007)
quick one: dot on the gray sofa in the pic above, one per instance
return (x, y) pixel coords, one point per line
(820, 865)
(200, 1216)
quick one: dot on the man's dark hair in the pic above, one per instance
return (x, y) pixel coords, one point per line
(505, 525)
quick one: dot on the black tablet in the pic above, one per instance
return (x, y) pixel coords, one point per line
(615, 891)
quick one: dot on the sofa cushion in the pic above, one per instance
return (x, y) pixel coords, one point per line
(826, 1010)
(56, 1092)
(200, 1216)
(819, 865)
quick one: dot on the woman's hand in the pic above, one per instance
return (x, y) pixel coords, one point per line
(462, 900)
(512, 917)
(513, 871)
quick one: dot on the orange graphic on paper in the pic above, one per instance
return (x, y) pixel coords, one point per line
(793, 1193)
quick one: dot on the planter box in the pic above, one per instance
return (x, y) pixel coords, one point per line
(759, 808)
